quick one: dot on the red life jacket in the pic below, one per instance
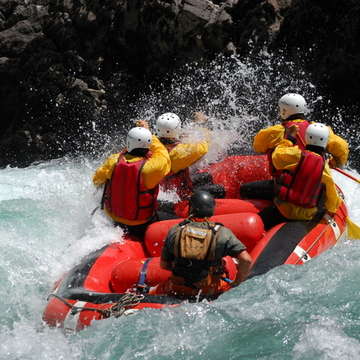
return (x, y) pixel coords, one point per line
(125, 194)
(302, 187)
(302, 125)
(180, 181)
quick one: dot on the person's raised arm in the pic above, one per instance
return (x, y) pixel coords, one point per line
(286, 156)
(338, 148)
(186, 154)
(157, 166)
(268, 139)
(103, 173)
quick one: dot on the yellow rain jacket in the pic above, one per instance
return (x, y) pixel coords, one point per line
(269, 138)
(153, 171)
(184, 155)
(286, 157)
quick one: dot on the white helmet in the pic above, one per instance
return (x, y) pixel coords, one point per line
(317, 134)
(168, 125)
(291, 104)
(138, 138)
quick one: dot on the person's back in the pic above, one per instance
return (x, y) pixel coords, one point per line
(131, 179)
(194, 252)
(292, 111)
(303, 179)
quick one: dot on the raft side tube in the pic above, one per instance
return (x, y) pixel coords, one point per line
(238, 169)
(277, 245)
(99, 275)
(93, 272)
(325, 235)
(225, 206)
(126, 274)
(247, 227)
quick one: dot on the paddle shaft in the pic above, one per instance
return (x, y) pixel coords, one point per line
(348, 175)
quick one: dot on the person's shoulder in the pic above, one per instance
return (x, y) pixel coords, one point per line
(174, 229)
(225, 232)
(277, 127)
(272, 128)
(113, 157)
(176, 226)
(230, 241)
(302, 121)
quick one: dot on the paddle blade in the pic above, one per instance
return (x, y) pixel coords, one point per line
(353, 230)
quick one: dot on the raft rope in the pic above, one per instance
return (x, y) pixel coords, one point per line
(116, 310)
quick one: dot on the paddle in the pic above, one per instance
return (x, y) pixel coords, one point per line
(353, 229)
(347, 174)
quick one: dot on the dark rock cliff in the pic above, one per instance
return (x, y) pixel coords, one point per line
(59, 58)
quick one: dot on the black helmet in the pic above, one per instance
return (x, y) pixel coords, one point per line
(201, 204)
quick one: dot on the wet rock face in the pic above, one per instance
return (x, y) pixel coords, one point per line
(57, 57)
(331, 30)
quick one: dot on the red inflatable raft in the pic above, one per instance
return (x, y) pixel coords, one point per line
(113, 280)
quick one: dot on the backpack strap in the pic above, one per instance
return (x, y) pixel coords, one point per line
(178, 237)
(214, 227)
